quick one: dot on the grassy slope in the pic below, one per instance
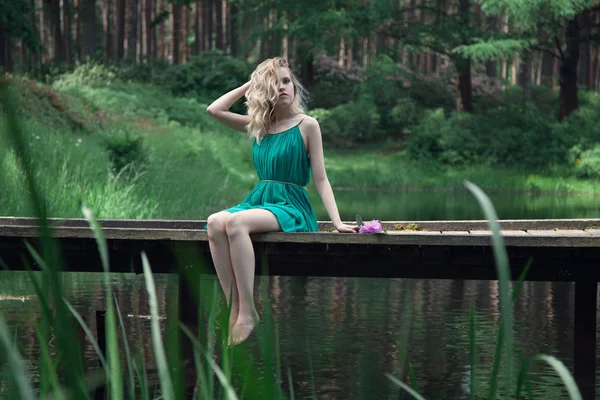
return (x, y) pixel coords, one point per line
(195, 166)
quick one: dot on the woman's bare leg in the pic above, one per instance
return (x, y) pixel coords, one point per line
(220, 252)
(239, 227)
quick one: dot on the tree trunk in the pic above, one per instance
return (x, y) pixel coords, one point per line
(76, 32)
(58, 46)
(597, 71)
(308, 69)
(539, 68)
(140, 40)
(197, 20)
(66, 29)
(175, 57)
(185, 53)
(525, 80)
(152, 47)
(464, 98)
(119, 28)
(285, 42)
(555, 73)
(350, 56)
(106, 21)
(463, 66)
(514, 71)
(4, 50)
(491, 67)
(585, 64)
(132, 29)
(146, 39)
(569, 99)
(365, 52)
(219, 24)
(43, 31)
(233, 29)
(34, 55)
(207, 24)
(341, 52)
(162, 46)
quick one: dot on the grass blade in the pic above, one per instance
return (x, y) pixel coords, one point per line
(16, 364)
(114, 378)
(404, 386)
(88, 334)
(472, 348)
(290, 383)
(562, 371)
(159, 351)
(225, 383)
(505, 335)
(127, 352)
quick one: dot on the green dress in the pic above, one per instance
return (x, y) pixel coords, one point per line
(283, 167)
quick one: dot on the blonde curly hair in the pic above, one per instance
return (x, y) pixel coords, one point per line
(263, 93)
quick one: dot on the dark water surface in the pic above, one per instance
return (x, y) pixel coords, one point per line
(351, 326)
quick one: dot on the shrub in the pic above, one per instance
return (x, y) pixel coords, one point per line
(448, 140)
(89, 74)
(126, 151)
(403, 116)
(350, 123)
(333, 85)
(587, 165)
(206, 76)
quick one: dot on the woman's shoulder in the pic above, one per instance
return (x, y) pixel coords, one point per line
(308, 121)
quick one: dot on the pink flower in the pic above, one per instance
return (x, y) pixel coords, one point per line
(371, 227)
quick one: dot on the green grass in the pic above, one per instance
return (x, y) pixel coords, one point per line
(195, 166)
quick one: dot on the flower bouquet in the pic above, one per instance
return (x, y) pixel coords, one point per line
(369, 227)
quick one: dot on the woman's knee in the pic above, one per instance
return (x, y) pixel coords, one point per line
(235, 225)
(217, 224)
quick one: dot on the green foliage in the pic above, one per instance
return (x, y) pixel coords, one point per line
(207, 76)
(89, 74)
(502, 136)
(586, 162)
(126, 151)
(432, 93)
(15, 24)
(350, 123)
(405, 113)
(333, 85)
(448, 140)
(492, 49)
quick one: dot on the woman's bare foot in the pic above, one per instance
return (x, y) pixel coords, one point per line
(233, 317)
(242, 329)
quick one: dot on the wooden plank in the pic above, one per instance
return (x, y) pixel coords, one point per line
(458, 225)
(573, 233)
(514, 233)
(402, 238)
(455, 233)
(480, 233)
(544, 232)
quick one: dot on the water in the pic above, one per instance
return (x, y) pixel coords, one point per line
(456, 205)
(351, 326)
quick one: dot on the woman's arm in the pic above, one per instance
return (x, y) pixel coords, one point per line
(317, 160)
(219, 109)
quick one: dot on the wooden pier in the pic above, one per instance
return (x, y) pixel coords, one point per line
(559, 250)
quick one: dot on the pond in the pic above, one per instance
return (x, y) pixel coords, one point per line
(351, 326)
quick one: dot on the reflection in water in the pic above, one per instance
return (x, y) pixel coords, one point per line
(350, 326)
(455, 205)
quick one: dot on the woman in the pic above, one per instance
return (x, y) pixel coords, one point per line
(287, 145)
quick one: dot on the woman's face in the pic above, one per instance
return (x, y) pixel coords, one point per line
(286, 87)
